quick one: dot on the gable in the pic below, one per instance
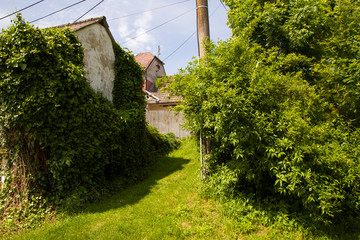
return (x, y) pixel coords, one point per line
(146, 59)
(99, 56)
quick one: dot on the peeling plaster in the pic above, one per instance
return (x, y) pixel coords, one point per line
(99, 58)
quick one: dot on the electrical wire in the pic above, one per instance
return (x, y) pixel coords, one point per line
(22, 9)
(179, 46)
(215, 10)
(157, 26)
(89, 10)
(58, 11)
(223, 5)
(187, 38)
(150, 10)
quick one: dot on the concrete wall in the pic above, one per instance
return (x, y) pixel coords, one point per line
(99, 58)
(165, 120)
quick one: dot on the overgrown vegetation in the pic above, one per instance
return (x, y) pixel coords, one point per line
(128, 83)
(61, 142)
(161, 143)
(167, 205)
(279, 104)
(163, 206)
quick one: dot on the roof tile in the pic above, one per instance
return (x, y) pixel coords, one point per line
(144, 59)
(79, 25)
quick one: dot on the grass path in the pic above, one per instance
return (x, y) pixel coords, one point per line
(164, 206)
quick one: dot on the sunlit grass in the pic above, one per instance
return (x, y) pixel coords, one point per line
(164, 206)
(167, 205)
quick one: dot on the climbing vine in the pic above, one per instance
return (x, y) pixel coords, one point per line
(128, 82)
(60, 140)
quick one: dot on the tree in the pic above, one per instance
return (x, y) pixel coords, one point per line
(325, 33)
(279, 102)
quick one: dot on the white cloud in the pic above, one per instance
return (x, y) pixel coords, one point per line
(144, 20)
(123, 29)
(4, 23)
(134, 32)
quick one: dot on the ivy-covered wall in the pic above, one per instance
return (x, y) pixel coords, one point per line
(99, 56)
(62, 140)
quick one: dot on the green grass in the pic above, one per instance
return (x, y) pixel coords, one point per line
(167, 205)
(164, 206)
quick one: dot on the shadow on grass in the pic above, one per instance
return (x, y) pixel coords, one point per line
(163, 167)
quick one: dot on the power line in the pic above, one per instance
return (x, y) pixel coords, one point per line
(188, 37)
(215, 10)
(180, 46)
(89, 10)
(22, 9)
(58, 11)
(223, 5)
(157, 26)
(150, 10)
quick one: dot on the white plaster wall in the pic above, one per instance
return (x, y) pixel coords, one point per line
(99, 58)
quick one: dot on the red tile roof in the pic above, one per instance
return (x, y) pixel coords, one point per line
(144, 59)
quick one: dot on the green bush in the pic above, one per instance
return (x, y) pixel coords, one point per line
(161, 143)
(171, 139)
(278, 104)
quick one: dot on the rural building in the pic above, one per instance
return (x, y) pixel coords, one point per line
(99, 56)
(154, 68)
(160, 115)
(159, 103)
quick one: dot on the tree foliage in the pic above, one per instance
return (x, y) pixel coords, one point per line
(325, 33)
(279, 102)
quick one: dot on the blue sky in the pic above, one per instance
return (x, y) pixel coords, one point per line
(169, 36)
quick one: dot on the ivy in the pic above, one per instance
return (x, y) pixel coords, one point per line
(62, 140)
(128, 82)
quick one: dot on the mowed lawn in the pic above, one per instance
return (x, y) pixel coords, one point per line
(164, 206)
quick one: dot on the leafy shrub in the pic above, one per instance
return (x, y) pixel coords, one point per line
(31, 213)
(275, 216)
(281, 113)
(171, 139)
(161, 143)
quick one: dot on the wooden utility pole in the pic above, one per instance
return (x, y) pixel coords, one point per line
(203, 30)
(203, 35)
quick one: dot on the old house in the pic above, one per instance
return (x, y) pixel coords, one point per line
(99, 57)
(159, 114)
(159, 103)
(154, 68)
